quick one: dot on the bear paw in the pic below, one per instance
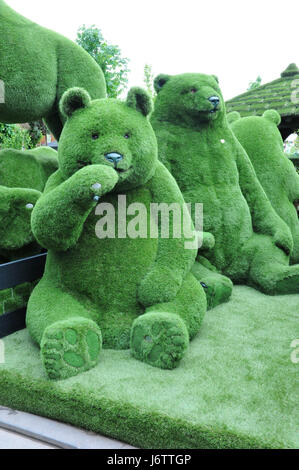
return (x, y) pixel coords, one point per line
(159, 339)
(70, 347)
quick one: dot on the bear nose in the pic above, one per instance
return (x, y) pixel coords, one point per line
(114, 157)
(214, 100)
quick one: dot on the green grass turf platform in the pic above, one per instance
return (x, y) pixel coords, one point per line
(236, 387)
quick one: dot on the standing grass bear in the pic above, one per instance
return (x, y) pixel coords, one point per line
(263, 143)
(252, 243)
(36, 67)
(122, 291)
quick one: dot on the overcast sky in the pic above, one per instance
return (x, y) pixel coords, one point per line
(233, 39)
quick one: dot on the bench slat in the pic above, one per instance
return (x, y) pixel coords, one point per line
(21, 271)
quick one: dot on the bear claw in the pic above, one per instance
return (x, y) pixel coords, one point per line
(70, 347)
(159, 339)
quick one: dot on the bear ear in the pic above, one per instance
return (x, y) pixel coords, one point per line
(216, 78)
(233, 117)
(140, 100)
(273, 116)
(160, 81)
(72, 100)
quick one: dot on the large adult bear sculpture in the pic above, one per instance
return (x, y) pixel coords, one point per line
(36, 67)
(252, 243)
(129, 290)
(263, 143)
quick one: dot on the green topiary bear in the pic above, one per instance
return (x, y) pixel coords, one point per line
(264, 145)
(252, 243)
(36, 67)
(23, 176)
(133, 292)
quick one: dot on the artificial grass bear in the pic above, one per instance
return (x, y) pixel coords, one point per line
(23, 176)
(127, 291)
(264, 145)
(36, 67)
(252, 243)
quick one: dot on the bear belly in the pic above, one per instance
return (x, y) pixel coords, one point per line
(108, 271)
(227, 216)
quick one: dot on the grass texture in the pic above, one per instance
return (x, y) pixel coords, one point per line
(252, 243)
(35, 80)
(263, 143)
(95, 290)
(235, 388)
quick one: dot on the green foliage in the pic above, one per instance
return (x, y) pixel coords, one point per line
(36, 131)
(15, 137)
(108, 56)
(255, 83)
(149, 81)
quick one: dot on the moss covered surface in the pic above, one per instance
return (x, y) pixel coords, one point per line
(123, 290)
(236, 386)
(252, 243)
(263, 143)
(35, 81)
(23, 176)
(276, 95)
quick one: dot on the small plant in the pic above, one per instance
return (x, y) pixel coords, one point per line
(14, 136)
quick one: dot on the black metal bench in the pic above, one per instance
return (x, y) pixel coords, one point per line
(11, 275)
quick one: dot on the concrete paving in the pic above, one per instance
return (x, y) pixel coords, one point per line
(33, 432)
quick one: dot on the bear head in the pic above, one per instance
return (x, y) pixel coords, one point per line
(108, 132)
(258, 130)
(188, 99)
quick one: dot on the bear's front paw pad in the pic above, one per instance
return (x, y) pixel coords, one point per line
(159, 340)
(70, 347)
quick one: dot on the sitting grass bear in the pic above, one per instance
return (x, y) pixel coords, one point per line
(23, 176)
(135, 292)
(264, 145)
(252, 243)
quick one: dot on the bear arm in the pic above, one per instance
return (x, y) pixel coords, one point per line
(264, 218)
(57, 221)
(59, 216)
(172, 251)
(166, 141)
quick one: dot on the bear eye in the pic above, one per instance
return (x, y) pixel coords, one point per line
(127, 135)
(95, 136)
(193, 90)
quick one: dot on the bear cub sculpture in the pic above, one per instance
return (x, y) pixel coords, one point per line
(263, 143)
(252, 243)
(122, 292)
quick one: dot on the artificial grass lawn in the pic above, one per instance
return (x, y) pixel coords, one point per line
(235, 388)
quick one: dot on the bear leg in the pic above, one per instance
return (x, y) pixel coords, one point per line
(69, 339)
(218, 288)
(270, 271)
(161, 336)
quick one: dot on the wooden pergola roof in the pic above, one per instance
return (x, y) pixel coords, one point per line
(281, 94)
